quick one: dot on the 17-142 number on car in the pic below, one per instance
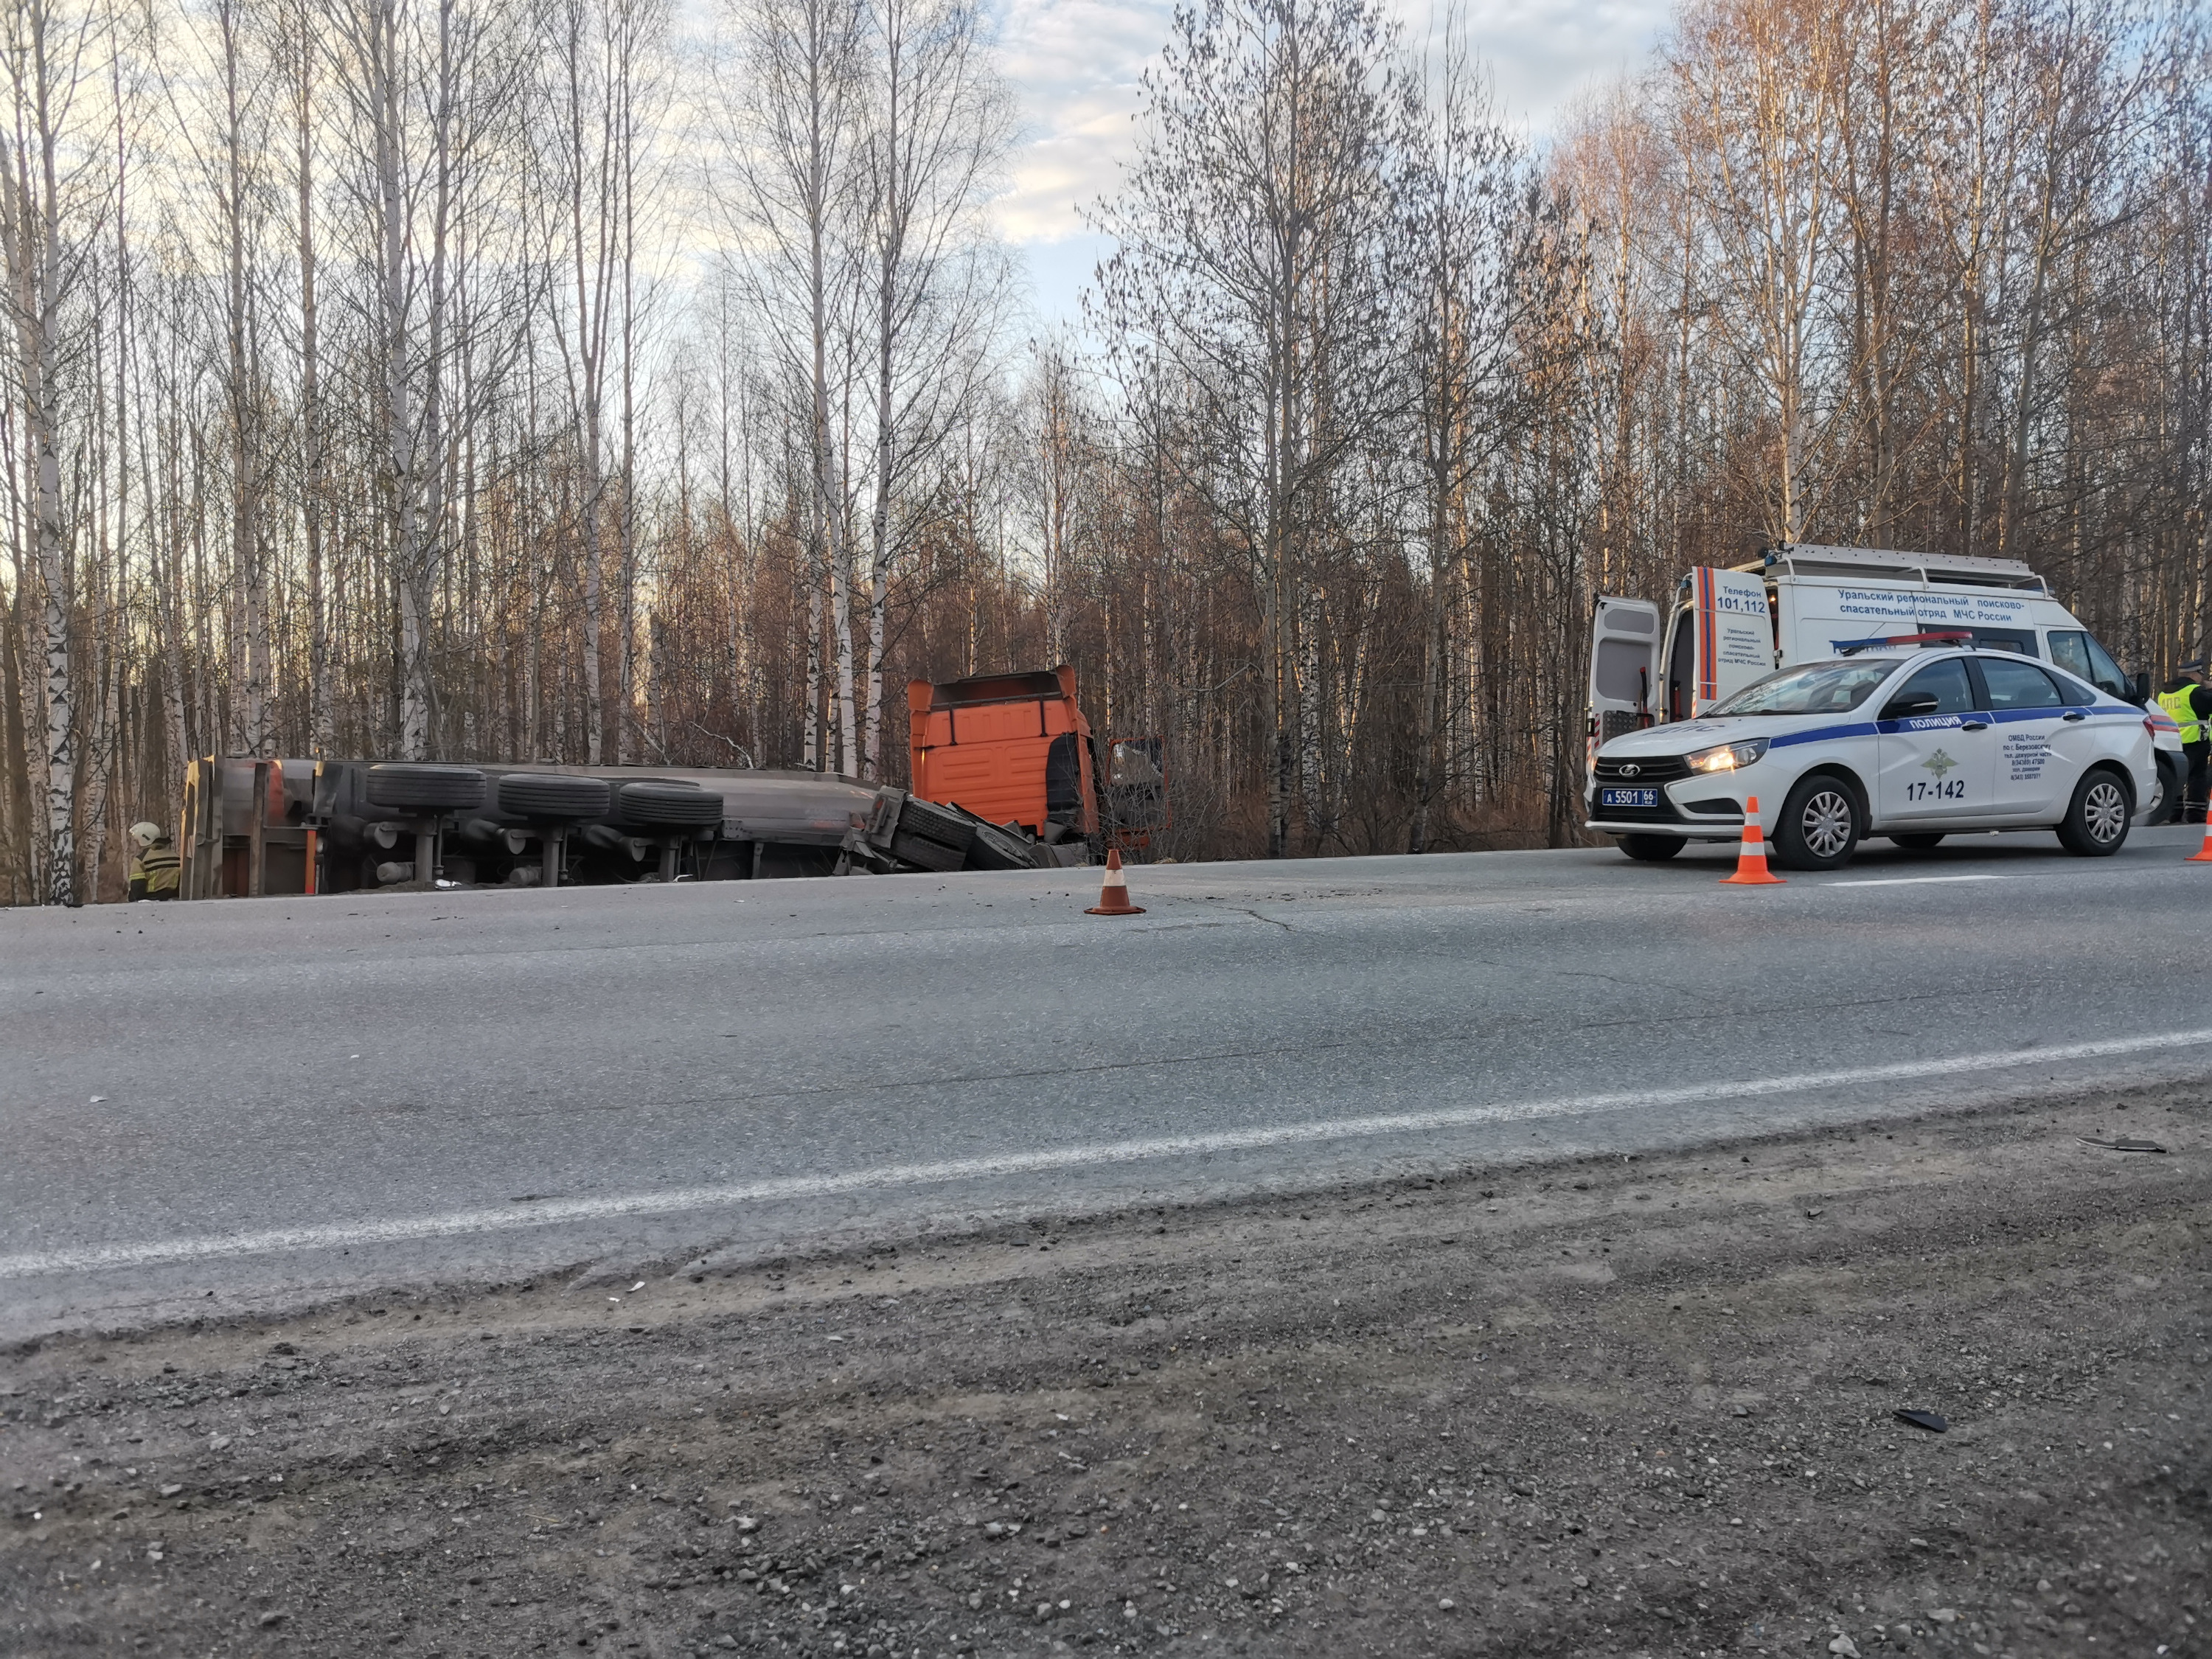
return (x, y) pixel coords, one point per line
(1948, 789)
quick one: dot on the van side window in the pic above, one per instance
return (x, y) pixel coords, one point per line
(2079, 653)
(2105, 673)
(1955, 692)
(2070, 651)
(2019, 685)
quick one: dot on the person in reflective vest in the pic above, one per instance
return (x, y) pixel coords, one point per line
(155, 867)
(2189, 699)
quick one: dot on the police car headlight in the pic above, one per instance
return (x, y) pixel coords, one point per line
(1726, 756)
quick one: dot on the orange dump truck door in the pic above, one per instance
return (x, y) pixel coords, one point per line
(1011, 748)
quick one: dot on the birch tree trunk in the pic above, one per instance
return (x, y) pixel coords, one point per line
(790, 139)
(935, 132)
(302, 48)
(381, 92)
(45, 57)
(248, 528)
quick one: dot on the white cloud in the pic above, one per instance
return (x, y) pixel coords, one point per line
(1076, 64)
(1543, 53)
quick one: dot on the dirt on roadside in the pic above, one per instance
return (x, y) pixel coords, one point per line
(1607, 1407)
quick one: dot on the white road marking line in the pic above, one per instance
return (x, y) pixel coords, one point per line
(1908, 881)
(460, 1224)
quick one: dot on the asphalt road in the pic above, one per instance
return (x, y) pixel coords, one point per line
(241, 1104)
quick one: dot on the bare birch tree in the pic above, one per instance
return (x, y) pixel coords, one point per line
(49, 202)
(792, 131)
(1463, 262)
(1754, 101)
(292, 33)
(434, 91)
(603, 93)
(935, 126)
(1252, 227)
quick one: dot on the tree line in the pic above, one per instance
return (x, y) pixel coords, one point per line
(575, 380)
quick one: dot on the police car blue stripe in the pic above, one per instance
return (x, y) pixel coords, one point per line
(2014, 716)
(1822, 734)
(1929, 723)
(1935, 723)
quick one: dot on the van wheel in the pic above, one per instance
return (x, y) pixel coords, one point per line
(1919, 844)
(2096, 822)
(1820, 826)
(1651, 849)
(2164, 805)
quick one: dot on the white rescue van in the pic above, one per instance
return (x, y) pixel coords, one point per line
(1729, 627)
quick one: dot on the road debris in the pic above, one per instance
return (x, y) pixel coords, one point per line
(2121, 1144)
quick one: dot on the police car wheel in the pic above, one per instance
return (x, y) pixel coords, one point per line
(1651, 849)
(1820, 825)
(2096, 822)
(1919, 844)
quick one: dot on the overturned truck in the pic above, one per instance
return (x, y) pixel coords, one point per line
(287, 826)
(1007, 778)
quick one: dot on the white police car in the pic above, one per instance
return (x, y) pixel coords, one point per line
(1912, 747)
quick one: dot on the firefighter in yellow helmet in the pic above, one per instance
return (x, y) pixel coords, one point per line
(2189, 699)
(154, 866)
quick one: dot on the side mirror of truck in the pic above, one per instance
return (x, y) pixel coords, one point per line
(2139, 687)
(1906, 704)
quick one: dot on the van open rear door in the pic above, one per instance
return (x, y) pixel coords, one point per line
(1723, 640)
(1624, 665)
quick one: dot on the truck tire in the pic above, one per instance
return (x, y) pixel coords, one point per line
(997, 849)
(931, 821)
(1651, 849)
(2164, 805)
(2096, 822)
(551, 797)
(925, 854)
(666, 804)
(1820, 824)
(417, 787)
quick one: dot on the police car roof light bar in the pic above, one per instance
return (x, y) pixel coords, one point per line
(1845, 647)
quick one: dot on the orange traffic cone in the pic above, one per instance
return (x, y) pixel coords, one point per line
(1751, 863)
(2202, 854)
(1114, 891)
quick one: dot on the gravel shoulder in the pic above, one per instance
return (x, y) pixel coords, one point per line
(1616, 1406)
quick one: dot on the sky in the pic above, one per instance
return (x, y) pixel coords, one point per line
(1075, 64)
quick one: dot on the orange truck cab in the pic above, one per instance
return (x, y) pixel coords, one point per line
(1011, 748)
